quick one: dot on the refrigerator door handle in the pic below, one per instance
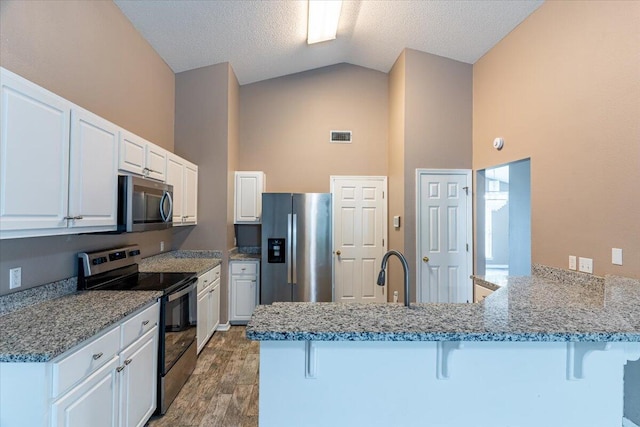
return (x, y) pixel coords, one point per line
(289, 233)
(294, 250)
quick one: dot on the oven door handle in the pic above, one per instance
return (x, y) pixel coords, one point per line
(175, 295)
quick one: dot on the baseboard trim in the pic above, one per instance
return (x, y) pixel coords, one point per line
(628, 423)
(223, 327)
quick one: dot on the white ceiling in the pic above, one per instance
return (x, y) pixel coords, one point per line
(266, 39)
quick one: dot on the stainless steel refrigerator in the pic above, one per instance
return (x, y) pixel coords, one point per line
(296, 247)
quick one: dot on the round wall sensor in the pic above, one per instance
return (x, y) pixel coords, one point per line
(498, 143)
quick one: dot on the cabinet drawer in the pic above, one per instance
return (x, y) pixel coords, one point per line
(216, 273)
(139, 324)
(205, 280)
(244, 268)
(84, 361)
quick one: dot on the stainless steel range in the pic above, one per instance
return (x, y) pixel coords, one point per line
(117, 269)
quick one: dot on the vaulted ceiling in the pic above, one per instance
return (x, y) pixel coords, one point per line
(266, 39)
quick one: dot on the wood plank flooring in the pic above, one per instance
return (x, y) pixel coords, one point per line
(223, 389)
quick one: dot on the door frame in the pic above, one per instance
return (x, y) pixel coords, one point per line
(332, 180)
(468, 173)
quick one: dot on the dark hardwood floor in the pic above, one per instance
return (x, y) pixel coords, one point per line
(223, 389)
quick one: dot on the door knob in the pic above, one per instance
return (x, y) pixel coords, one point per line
(338, 253)
(425, 259)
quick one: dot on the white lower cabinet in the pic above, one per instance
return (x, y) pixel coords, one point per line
(244, 287)
(208, 305)
(109, 380)
(138, 381)
(92, 403)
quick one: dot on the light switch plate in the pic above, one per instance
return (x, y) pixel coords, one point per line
(616, 256)
(572, 262)
(585, 265)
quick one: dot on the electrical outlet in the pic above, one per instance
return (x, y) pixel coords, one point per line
(616, 256)
(395, 296)
(15, 277)
(161, 246)
(572, 262)
(585, 265)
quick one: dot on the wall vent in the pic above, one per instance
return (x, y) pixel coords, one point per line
(340, 137)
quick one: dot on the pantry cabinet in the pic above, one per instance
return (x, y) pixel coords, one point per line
(183, 175)
(244, 285)
(249, 187)
(141, 157)
(58, 169)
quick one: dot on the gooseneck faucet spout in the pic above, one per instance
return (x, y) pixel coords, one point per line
(405, 267)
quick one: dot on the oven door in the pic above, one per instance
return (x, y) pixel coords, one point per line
(180, 324)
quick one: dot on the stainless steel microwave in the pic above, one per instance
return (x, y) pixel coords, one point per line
(144, 204)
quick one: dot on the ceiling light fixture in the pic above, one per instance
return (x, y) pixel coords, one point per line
(323, 20)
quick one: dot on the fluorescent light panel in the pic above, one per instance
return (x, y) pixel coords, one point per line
(323, 20)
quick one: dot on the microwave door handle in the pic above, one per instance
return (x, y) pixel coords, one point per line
(166, 215)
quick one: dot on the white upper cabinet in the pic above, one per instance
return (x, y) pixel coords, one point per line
(183, 175)
(93, 171)
(58, 165)
(34, 156)
(141, 157)
(249, 187)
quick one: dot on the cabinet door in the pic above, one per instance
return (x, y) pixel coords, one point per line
(244, 301)
(133, 152)
(190, 194)
(138, 381)
(249, 187)
(93, 172)
(203, 319)
(214, 307)
(156, 162)
(94, 402)
(175, 177)
(34, 156)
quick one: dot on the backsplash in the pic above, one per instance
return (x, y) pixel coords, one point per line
(18, 300)
(565, 276)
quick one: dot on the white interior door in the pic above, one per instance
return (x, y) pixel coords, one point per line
(444, 240)
(359, 237)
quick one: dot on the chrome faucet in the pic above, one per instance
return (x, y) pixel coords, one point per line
(405, 267)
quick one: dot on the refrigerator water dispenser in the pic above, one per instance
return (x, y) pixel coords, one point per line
(275, 251)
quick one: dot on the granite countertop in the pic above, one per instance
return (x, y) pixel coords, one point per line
(250, 253)
(524, 309)
(244, 257)
(42, 331)
(490, 282)
(198, 262)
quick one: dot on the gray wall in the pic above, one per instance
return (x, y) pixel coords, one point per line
(89, 53)
(432, 130)
(285, 124)
(206, 132)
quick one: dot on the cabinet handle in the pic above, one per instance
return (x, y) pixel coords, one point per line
(97, 356)
(71, 218)
(145, 322)
(126, 362)
(119, 368)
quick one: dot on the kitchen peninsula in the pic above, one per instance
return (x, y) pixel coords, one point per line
(542, 350)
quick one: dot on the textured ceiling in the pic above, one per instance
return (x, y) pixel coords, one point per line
(265, 39)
